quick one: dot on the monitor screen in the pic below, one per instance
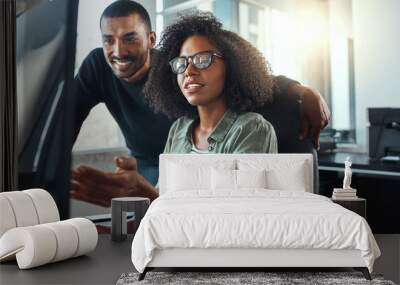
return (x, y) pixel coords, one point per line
(45, 56)
(384, 133)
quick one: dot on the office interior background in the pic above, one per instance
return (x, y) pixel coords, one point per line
(346, 49)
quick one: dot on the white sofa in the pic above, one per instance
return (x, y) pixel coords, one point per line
(31, 231)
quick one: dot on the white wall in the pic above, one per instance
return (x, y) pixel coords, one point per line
(377, 58)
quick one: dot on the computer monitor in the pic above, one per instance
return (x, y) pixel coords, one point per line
(384, 134)
(45, 56)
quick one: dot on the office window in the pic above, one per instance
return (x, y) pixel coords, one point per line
(268, 29)
(286, 37)
(169, 10)
(342, 71)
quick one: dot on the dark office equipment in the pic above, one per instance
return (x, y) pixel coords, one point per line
(376, 181)
(45, 57)
(384, 134)
(327, 140)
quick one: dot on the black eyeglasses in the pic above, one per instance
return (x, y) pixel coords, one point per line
(200, 60)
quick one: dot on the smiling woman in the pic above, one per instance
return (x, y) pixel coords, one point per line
(202, 76)
(207, 84)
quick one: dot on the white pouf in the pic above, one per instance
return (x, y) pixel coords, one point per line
(23, 208)
(31, 231)
(7, 218)
(45, 205)
(40, 244)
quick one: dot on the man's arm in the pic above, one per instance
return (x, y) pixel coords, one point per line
(95, 186)
(98, 187)
(314, 112)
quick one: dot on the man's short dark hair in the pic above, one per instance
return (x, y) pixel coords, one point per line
(124, 8)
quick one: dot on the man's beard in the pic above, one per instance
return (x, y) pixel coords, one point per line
(136, 62)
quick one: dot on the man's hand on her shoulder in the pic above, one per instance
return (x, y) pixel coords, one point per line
(315, 114)
(95, 186)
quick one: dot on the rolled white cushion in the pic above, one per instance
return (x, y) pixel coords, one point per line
(40, 244)
(26, 208)
(45, 205)
(87, 235)
(66, 238)
(33, 246)
(7, 218)
(23, 208)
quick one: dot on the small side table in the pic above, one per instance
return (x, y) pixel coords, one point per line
(358, 205)
(119, 208)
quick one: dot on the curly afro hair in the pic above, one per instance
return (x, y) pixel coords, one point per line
(248, 83)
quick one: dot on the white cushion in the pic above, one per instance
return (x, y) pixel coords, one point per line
(297, 170)
(23, 208)
(40, 244)
(7, 218)
(87, 234)
(26, 208)
(67, 239)
(34, 244)
(223, 179)
(186, 175)
(283, 174)
(251, 178)
(280, 180)
(45, 205)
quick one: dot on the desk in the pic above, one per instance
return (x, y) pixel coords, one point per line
(377, 182)
(361, 164)
(102, 266)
